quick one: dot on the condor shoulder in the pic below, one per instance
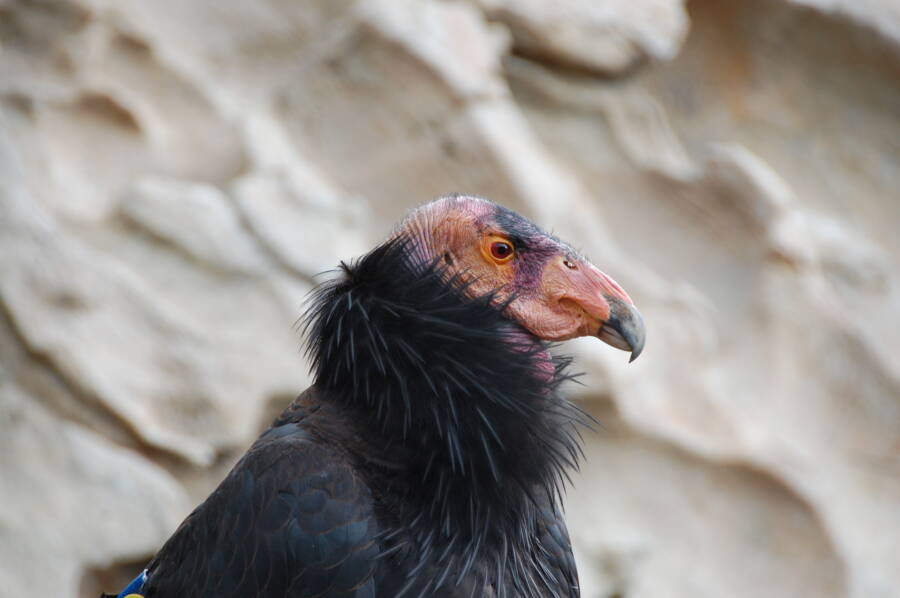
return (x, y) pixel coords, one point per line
(292, 518)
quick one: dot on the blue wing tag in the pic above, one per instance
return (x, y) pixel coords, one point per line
(133, 589)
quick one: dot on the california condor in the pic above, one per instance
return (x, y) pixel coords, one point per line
(428, 457)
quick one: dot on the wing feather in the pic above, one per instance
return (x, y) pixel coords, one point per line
(293, 518)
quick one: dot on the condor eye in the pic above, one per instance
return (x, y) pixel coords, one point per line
(502, 251)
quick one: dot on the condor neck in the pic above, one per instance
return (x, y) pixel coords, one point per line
(462, 399)
(398, 341)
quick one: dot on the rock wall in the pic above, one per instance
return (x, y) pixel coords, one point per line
(174, 174)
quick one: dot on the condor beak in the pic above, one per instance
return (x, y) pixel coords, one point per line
(624, 329)
(607, 305)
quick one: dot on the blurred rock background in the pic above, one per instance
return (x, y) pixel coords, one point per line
(174, 173)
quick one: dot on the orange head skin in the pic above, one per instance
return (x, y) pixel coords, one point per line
(555, 293)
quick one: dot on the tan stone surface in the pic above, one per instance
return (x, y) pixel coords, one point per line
(174, 174)
(71, 500)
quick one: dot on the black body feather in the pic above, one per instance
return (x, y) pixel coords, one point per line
(426, 460)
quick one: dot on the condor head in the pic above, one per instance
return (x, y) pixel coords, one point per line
(548, 288)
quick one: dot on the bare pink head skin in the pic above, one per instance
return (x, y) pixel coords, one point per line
(556, 293)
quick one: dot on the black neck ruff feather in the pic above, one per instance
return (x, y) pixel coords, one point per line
(466, 404)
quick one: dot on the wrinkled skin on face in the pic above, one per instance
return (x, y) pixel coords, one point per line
(556, 294)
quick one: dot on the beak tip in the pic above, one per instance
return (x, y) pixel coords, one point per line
(635, 333)
(625, 330)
